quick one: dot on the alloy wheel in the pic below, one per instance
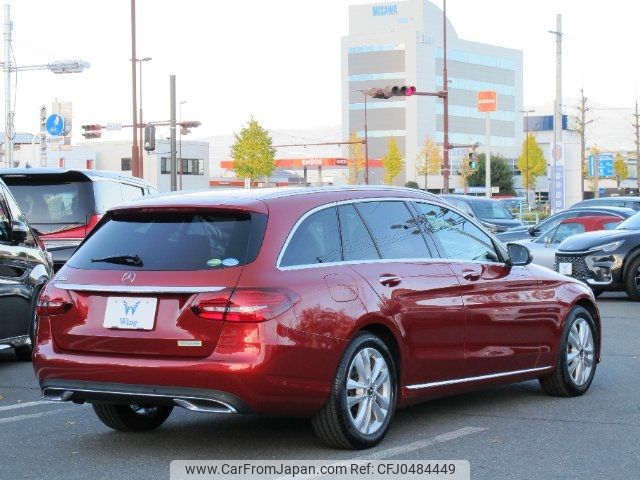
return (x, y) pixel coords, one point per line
(580, 352)
(368, 390)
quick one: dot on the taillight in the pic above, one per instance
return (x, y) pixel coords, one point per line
(53, 301)
(245, 304)
(92, 221)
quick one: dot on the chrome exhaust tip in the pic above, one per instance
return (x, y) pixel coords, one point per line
(204, 405)
(56, 395)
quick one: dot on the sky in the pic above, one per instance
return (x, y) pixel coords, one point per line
(279, 60)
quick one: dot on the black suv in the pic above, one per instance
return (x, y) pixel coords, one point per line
(64, 205)
(24, 269)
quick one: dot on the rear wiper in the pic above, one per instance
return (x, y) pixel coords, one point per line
(134, 260)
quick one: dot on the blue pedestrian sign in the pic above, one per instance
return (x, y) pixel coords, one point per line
(55, 125)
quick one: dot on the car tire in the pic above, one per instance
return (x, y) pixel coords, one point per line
(356, 418)
(24, 352)
(131, 418)
(577, 357)
(632, 279)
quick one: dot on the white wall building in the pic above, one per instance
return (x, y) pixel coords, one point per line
(400, 43)
(116, 156)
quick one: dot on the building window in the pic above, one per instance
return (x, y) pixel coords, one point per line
(190, 166)
(125, 164)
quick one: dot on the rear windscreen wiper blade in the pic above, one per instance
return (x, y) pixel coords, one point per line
(134, 260)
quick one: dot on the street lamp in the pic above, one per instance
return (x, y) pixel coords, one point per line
(180, 141)
(141, 122)
(58, 67)
(526, 143)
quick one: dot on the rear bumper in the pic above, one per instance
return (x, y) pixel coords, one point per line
(195, 399)
(286, 373)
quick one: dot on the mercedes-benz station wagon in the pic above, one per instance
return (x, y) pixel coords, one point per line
(338, 304)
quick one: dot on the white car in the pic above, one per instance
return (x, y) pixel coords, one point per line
(543, 248)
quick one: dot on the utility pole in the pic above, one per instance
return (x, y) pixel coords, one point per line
(173, 169)
(581, 129)
(8, 124)
(637, 127)
(557, 200)
(445, 103)
(135, 152)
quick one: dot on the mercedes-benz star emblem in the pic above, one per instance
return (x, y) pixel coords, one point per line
(129, 277)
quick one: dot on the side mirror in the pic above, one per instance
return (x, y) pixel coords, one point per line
(519, 255)
(533, 230)
(19, 232)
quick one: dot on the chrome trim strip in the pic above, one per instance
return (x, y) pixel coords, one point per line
(435, 201)
(134, 288)
(475, 379)
(591, 281)
(64, 395)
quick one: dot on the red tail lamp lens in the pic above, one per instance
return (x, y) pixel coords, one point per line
(53, 301)
(245, 305)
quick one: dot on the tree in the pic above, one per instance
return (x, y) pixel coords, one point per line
(531, 163)
(412, 184)
(356, 159)
(252, 152)
(429, 159)
(392, 162)
(621, 171)
(501, 174)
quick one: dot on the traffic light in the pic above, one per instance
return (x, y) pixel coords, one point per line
(391, 91)
(150, 138)
(92, 131)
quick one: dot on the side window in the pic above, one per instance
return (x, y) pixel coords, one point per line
(130, 192)
(16, 214)
(316, 240)
(107, 195)
(356, 241)
(611, 225)
(565, 230)
(459, 238)
(394, 229)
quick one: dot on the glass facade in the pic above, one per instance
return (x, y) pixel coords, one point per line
(476, 59)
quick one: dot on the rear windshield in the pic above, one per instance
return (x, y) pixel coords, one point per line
(52, 203)
(172, 241)
(490, 209)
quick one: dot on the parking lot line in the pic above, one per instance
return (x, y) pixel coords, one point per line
(420, 444)
(25, 404)
(29, 416)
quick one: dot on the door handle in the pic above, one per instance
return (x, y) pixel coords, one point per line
(390, 280)
(470, 275)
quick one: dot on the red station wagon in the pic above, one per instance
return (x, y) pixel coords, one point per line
(339, 304)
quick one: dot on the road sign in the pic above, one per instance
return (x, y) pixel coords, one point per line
(55, 125)
(605, 165)
(114, 126)
(487, 101)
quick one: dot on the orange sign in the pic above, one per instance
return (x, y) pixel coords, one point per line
(487, 101)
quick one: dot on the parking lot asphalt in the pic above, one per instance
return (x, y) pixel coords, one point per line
(510, 432)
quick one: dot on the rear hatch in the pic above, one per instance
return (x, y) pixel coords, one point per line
(135, 285)
(57, 205)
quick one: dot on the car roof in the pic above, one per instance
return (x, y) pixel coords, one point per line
(90, 174)
(604, 208)
(257, 199)
(470, 198)
(603, 199)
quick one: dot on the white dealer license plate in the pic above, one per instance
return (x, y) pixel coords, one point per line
(565, 268)
(130, 313)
